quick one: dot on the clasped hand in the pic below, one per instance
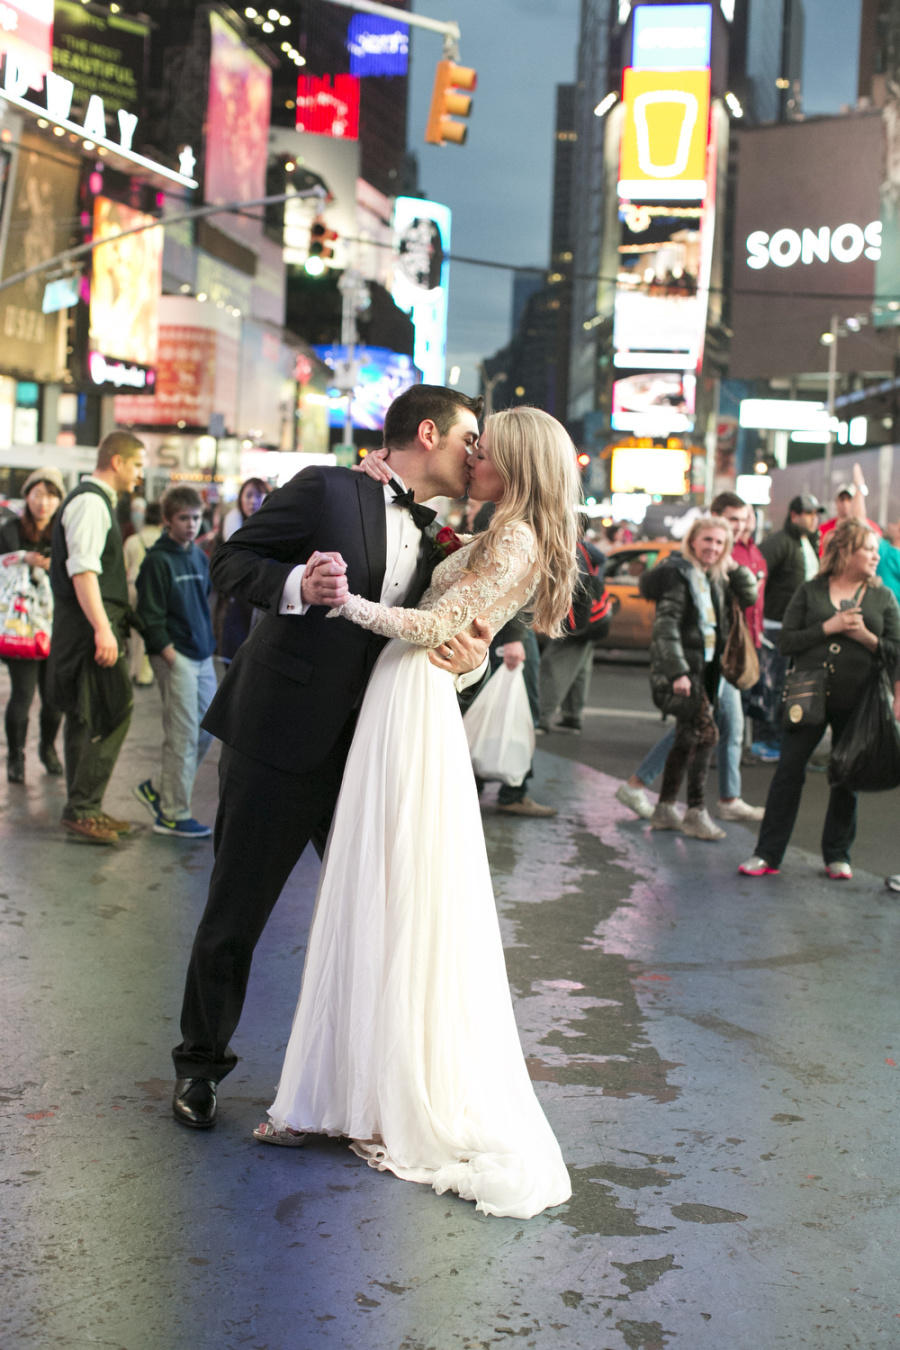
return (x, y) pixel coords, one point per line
(325, 580)
(851, 624)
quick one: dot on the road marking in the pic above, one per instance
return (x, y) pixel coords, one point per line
(642, 714)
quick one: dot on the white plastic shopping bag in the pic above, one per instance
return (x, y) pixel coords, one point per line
(500, 729)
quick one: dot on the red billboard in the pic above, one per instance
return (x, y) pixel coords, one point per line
(328, 105)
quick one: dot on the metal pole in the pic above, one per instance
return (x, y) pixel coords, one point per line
(450, 29)
(70, 254)
(832, 393)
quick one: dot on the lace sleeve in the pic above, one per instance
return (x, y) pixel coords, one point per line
(508, 571)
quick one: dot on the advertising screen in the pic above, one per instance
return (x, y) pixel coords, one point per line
(806, 245)
(237, 118)
(655, 403)
(328, 105)
(663, 473)
(659, 314)
(377, 46)
(100, 53)
(671, 37)
(664, 137)
(382, 375)
(42, 203)
(126, 280)
(26, 34)
(422, 278)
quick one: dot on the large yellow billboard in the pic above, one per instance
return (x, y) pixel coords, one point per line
(664, 138)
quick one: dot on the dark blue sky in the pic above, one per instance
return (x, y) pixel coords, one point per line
(499, 183)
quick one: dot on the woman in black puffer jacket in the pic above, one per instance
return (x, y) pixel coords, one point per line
(693, 617)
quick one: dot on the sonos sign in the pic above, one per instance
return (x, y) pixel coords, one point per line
(842, 244)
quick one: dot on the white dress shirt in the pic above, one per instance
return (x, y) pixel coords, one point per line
(86, 524)
(402, 540)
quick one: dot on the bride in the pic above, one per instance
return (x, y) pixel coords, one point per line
(404, 1038)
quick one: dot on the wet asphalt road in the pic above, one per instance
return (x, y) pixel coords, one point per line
(718, 1056)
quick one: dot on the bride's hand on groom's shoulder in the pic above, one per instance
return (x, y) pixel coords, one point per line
(464, 653)
(376, 466)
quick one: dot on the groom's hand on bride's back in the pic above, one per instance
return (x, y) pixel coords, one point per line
(465, 652)
(325, 580)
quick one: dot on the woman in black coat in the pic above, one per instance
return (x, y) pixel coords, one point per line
(43, 491)
(693, 618)
(846, 621)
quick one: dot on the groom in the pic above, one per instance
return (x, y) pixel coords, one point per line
(287, 706)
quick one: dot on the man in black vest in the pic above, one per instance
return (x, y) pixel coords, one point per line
(287, 707)
(88, 667)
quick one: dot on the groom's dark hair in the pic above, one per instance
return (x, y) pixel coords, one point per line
(423, 402)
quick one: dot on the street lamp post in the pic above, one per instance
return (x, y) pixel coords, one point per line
(489, 382)
(832, 342)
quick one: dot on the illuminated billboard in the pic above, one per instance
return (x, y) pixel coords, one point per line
(655, 403)
(377, 46)
(422, 278)
(328, 105)
(42, 203)
(381, 376)
(126, 280)
(660, 310)
(237, 118)
(806, 245)
(671, 37)
(101, 54)
(26, 35)
(661, 472)
(665, 135)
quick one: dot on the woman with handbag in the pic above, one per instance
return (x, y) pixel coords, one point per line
(836, 629)
(30, 533)
(693, 593)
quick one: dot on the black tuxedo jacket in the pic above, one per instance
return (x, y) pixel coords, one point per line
(295, 681)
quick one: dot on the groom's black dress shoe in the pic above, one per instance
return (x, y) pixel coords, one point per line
(194, 1102)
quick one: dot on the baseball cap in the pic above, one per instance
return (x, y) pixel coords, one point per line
(846, 490)
(52, 477)
(805, 502)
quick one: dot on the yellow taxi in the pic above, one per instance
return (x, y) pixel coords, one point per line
(633, 615)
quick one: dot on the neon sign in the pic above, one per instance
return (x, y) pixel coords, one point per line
(58, 95)
(843, 244)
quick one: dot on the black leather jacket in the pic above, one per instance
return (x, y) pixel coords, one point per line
(676, 647)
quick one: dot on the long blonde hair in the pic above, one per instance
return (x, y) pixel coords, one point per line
(706, 523)
(535, 459)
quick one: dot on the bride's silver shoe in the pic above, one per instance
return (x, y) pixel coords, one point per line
(266, 1133)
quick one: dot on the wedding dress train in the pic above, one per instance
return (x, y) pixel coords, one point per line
(404, 1037)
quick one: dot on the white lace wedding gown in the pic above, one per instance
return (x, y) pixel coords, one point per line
(404, 1038)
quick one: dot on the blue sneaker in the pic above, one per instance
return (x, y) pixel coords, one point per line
(148, 795)
(766, 753)
(181, 829)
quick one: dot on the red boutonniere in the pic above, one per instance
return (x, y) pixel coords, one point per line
(446, 541)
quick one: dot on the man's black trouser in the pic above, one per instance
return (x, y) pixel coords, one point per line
(266, 818)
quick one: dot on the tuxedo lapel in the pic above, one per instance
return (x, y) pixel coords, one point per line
(370, 496)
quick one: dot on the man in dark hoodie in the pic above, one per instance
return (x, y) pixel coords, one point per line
(173, 605)
(792, 557)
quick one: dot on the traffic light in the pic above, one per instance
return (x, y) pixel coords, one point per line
(447, 104)
(321, 247)
(584, 460)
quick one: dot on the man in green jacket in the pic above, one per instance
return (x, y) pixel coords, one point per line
(173, 606)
